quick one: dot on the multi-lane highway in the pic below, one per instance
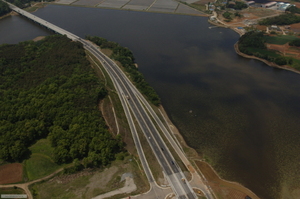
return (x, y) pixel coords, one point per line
(136, 108)
(127, 90)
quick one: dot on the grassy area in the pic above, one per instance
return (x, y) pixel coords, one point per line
(296, 63)
(42, 146)
(40, 164)
(31, 9)
(280, 40)
(11, 191)
(264, 52)
(90, 183)
(200, 7)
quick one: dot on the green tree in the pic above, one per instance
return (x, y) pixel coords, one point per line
(295, 42)
(4, 9)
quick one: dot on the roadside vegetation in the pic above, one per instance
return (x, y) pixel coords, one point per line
(4, 8)
(48, 90)
(91, 182)
(125, 57)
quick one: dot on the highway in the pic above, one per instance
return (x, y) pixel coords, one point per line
(162, 153)
(137, 109)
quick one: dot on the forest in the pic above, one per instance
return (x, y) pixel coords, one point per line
(4, 8)
(126, 58)
(293, 9)
(24, 3)
(48, 88)
(284, 19)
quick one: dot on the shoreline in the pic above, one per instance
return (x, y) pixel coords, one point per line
(195, 157)
(271, 64)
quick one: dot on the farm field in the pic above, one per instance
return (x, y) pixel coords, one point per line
(11, 173)
(280, 40)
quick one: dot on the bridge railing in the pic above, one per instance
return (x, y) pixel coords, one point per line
(43, 22)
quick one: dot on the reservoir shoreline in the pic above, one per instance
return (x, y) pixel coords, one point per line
(227, 93)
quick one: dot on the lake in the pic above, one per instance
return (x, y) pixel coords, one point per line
(239, 114)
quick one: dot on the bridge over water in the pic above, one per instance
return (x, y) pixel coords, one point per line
(135, 106)
(42, 22)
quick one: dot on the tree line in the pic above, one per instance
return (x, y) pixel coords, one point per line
(4, 8)
(283, 19)
(126, 58)
(237, 5)
(24, 3)
(48, 88)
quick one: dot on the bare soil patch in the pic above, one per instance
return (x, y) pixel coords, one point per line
(250, 14)
(11, 173)
(285, 50)
(295, 27)
(226, 189)
(38, 38)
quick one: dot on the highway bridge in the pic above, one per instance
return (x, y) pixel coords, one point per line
(136, 106)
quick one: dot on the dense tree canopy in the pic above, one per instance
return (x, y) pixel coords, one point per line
(293, 9)
(284, 19)
(125, 57)
(253, 43)
(24, 3)
(4, 8)
(47, 88)
(295, 42)
(252, 39)
(237, 5)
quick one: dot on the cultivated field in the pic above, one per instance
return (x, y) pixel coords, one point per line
(11, 173)
(165, 6)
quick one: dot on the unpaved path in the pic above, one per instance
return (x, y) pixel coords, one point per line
(128, 188)
(24, 186)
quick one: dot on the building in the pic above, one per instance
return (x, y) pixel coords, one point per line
(250, 3)
(268, 5)
(283, 6)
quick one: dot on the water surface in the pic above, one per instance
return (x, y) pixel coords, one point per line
(240, 114)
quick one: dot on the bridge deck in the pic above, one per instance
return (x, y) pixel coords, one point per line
(43, 22)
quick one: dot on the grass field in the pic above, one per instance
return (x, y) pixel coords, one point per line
(296, 64)
(11, 191)
(42, 146)
(40, 163)
(280, 40)
(39, 166)
(264, 51)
